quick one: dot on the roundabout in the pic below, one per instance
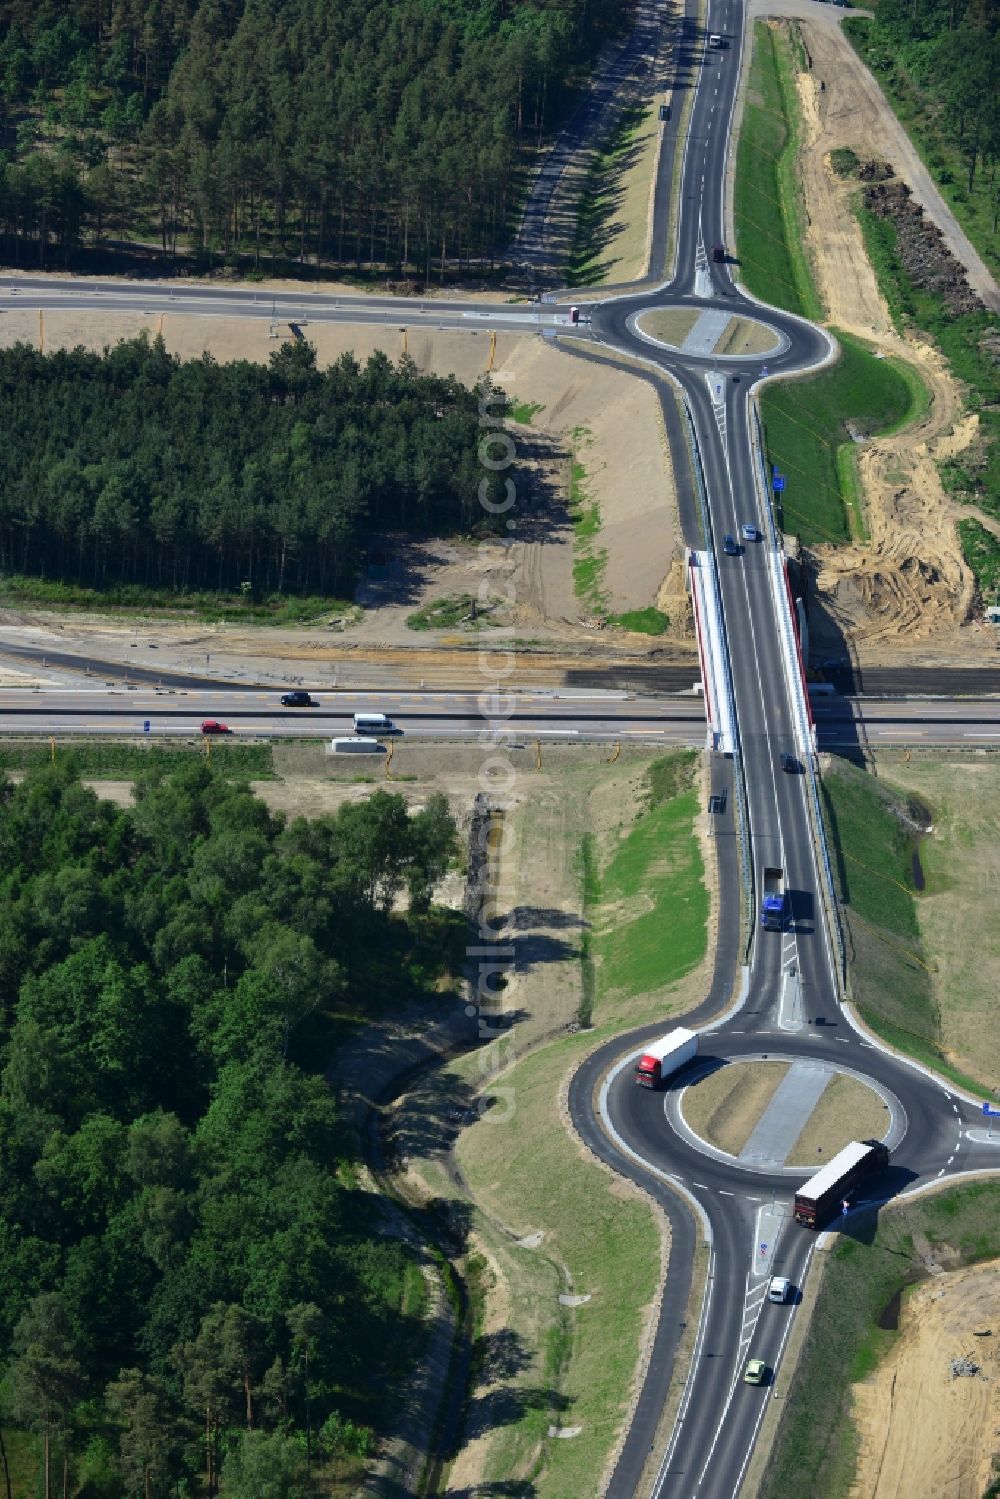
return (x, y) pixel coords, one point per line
(711, 333)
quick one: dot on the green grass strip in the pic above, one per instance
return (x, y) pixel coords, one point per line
(649, 621)
(817, 1444)
(807, 436)
(767, 209)
(276, 609)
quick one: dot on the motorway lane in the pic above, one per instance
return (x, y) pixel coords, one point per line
(488, 716)
(842, 725)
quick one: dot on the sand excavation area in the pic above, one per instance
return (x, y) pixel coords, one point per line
(907, 589)
(578, 413)
(926, 1433)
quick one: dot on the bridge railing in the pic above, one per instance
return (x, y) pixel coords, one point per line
(724, 677)
(798, 695)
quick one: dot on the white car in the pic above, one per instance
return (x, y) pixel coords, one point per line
(780, 1289)
(714, 39)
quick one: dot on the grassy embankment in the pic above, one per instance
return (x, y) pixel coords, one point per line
(102, 762)
(817, 1443)
(569, 1366)
(805, 422)
(974, 474)
(957, 910)
(590, 559)
(873, 830)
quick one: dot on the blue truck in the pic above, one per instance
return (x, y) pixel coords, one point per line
(774, 906)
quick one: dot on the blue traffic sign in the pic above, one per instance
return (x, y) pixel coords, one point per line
(145, 726)
(990, 1110)
(778, 483)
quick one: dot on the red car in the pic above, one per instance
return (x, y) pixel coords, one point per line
(213, 726)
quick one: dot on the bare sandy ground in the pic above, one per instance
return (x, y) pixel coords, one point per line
(908, 588)
(924, 1434)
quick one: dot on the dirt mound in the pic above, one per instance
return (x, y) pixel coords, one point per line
(874, 171)
(920, 244)
(907, 585)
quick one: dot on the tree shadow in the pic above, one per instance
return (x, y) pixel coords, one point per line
(506, 1406)
(499, 1355)
(521, 918)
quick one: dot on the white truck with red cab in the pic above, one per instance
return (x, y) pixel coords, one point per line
(665, 1056)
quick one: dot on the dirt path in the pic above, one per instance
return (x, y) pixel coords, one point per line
(908, 588)
(923, 1432)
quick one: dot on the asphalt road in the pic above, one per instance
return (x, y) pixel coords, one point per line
(845, 726)
(640, 1133)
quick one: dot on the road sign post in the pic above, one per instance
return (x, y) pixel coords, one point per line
(844, 1207)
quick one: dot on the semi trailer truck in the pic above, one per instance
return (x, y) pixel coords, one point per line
(774, 906)
(665, 1056)
(827, 1191)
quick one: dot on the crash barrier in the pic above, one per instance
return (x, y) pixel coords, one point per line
(722, 680)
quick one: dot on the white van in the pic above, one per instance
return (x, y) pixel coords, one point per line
(355, 747)
(374, 723)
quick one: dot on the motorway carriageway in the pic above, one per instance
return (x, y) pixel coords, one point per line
(670, 719)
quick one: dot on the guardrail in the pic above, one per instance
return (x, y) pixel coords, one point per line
(711, 652)
(725, 678)
(799, 697)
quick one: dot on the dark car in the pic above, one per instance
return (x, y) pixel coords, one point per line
(213, 726)
(297, 700)
(664, 112)
(719, 253)
(729, 546)
(789, 763)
